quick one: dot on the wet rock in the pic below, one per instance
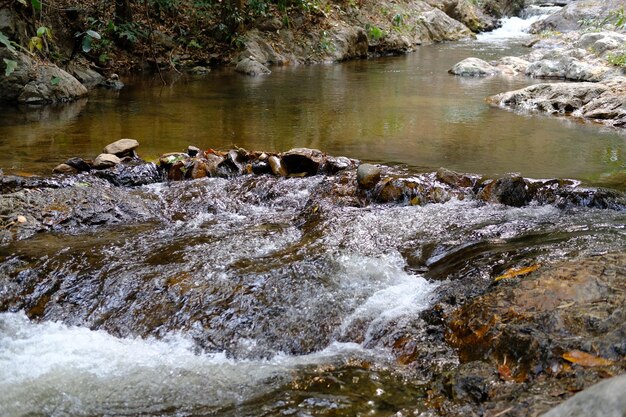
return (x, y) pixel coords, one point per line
(454, 179)
(367, 176)
(252, 68)
(199, 169)
(105, 160)
(473, 67)
(170, 158)
(87, 204)
(123, 175)
(471, 382)
(466, 12)
(530, 322)
(512, 191)
(261, 167)
(605, 399)
(121, 147)
(303, 161)
(391, 190)
(79, 164)
(64, 169)
(277, 167)
(113, 82)
(337, 164)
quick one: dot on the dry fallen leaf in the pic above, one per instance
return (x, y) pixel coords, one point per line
(585, 359)
(517, 272)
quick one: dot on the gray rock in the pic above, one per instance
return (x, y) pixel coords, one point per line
(251, 67)
(473, 67)
(605, 399)
(441, 27)
(600, 42)
(105, 160)
(570, 16)
(88, 77)
(511, 65)
(35, 83)
(78, 164)
(348, 43)
(199, 70)
(550, 98)
(547, 68)
(121, 147)
(367, 176)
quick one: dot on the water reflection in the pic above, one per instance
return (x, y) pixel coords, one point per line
(404, 109)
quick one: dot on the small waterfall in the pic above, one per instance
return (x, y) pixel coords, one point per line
(517, 27)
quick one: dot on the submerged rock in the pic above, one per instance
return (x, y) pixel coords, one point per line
(64, 169)
(251, 67)
(473, 67)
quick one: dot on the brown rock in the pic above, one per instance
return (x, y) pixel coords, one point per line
(64, 169)
(121, 147)
(105, 160)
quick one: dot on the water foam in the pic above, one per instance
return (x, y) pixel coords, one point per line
(53, 369)
(515, 27)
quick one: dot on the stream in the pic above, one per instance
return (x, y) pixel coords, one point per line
(257, 295)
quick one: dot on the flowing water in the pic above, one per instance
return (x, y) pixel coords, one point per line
(257, 296)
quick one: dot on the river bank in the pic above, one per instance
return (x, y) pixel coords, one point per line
(271, 36)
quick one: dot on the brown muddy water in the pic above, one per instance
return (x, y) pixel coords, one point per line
(257, 295)
(405, 110)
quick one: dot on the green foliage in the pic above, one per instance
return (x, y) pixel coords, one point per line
(11, 65)
(616, 19)
(4, 40)
(619, 60)
(374, 32)
(88, 38)
(40, 41)
(35, 3)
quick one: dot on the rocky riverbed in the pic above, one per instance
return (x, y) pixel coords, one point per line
(565, 51)
(514, 285)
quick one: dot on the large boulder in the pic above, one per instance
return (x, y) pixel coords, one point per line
(569, 18)
(37, 83)
(467, 12)
(603, 102)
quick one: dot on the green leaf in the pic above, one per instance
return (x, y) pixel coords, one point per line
(11, 65)
(55, 80)
(36, 5)
(35, 43)
(93, 34)
(87, 44)
(4, 40)
(41, 31)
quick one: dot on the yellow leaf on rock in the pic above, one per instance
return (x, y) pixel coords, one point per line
(585, 359)
(518, 272)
